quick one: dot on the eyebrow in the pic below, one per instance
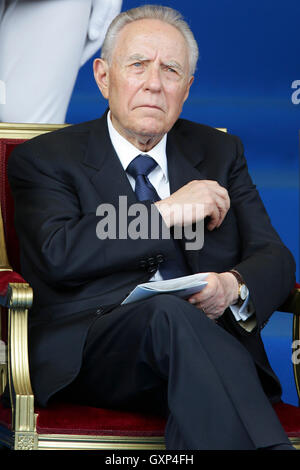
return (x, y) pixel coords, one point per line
(172, 64)
(138, 57)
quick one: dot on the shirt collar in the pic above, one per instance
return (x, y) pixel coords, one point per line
(127, 152)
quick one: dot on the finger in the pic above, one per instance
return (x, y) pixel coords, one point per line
(211, 316)
(210, 309)
(206, 295)
(222, 199)
(223, 209)
(214, 218)
(219, 190)
(216, 208)
(202, 297)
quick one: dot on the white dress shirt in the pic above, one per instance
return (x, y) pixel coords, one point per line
(160, 180)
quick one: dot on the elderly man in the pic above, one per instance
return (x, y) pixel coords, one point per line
(199, 360)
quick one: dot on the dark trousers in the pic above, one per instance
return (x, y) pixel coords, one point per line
(164, 355)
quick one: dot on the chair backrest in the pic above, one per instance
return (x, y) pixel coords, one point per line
(12, 135)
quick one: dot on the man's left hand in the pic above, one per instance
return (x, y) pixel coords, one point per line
(220, 292)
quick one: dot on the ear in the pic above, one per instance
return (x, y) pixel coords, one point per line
(101, 74)
(188, 88)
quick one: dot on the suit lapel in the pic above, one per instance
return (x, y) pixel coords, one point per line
(184, 160)
(106, 171)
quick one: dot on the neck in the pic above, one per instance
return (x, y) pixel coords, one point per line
(143, 142)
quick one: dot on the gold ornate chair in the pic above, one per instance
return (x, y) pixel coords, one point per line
(64, 426)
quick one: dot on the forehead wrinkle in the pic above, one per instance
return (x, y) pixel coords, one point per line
(150, 45)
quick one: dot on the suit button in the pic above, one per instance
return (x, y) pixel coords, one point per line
(151, 261)
(160, 258)
(99, 311)
(143, 264)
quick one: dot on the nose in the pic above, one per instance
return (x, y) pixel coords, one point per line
(153, 80)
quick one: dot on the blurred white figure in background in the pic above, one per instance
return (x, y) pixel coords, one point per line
(43, 43)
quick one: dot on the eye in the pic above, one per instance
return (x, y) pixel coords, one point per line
(137, 67)
(170, 69)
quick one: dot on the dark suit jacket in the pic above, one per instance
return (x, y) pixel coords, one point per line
(58, 181)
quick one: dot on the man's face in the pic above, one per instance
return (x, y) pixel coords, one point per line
(147, 81)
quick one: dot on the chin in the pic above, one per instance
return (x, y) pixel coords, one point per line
(149, 127)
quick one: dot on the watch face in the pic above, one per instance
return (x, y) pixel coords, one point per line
(243, 291)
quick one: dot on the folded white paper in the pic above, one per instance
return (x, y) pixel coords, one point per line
(181, 286)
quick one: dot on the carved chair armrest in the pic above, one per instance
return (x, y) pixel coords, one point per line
(14, 291)
(17, 296)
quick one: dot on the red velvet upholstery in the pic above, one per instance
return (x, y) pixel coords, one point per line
(73, 419)
(70, 419)
(7, 203)
(289, 417)
(5, 417)
(7, 277)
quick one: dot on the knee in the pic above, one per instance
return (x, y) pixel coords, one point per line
(167, 304)
(167, 310)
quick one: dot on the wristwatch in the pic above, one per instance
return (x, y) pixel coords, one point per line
(243, 289)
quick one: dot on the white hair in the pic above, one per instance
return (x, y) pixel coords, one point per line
(157, 12)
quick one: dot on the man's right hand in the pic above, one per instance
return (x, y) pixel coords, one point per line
(213, 198)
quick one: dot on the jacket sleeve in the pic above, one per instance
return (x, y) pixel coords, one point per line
(266, 265)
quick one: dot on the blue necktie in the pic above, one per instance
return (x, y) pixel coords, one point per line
(140, 167)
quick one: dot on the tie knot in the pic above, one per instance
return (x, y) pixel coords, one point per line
(141, 165)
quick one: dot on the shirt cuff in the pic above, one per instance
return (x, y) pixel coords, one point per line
(244, 311)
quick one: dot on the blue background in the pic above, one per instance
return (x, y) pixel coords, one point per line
(249, 57)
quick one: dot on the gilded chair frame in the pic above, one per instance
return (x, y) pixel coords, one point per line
(16, 371)
(23, 434)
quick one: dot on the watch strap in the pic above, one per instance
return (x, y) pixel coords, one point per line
(240, 281)
(238, 276)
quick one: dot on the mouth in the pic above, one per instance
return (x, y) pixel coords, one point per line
(150, 106)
